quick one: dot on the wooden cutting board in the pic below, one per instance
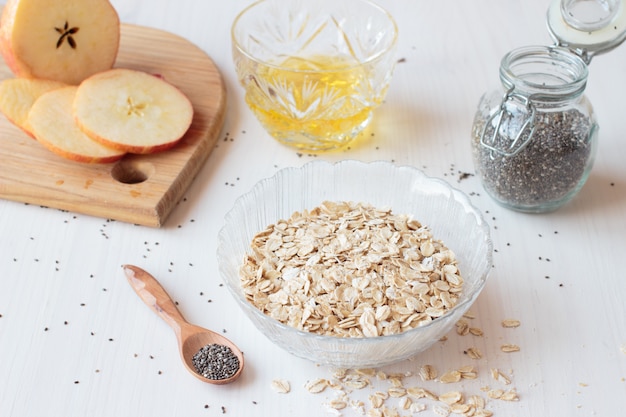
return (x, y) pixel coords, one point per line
(140, 189)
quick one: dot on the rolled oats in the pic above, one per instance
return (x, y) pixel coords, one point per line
(450, 376)
(405, 403)
(510, 395)
(396, 392)
(462, 327)
(338, 404)
(374, 412)
(460, 408)
(451, 397)
(376, 401)
(316, 386)
(474, 353)
(428, 372)
(509, 348)
(499, 376)
(418, 393)
(468, 372)
(440, 410)
(476, 331)
(417, 407)
(356, 382)
(495, 393)
(508, 323)
(350, 270)
(281, 386)
(477, 401)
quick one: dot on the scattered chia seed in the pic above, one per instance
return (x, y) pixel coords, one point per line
(547, 170)
(216, 362)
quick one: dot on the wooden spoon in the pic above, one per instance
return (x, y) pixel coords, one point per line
(191, 338)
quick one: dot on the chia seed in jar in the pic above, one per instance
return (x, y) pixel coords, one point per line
(534, 140)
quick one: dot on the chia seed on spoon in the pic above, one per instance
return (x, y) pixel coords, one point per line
(215, 362)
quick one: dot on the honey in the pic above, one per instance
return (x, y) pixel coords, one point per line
(320, 103)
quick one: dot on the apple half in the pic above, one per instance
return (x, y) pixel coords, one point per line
(62, 40)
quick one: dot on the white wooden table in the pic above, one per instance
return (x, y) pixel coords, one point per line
(75, 340)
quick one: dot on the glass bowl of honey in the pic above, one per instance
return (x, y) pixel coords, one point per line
(314, 71)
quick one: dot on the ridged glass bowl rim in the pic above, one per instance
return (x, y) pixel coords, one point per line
(237, 45)
(465, 303)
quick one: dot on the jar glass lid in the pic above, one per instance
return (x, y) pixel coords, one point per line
(588, 27)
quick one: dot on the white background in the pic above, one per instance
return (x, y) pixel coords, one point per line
(104, 353)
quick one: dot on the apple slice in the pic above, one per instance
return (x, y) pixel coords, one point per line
(52, 122)
(62, 40)
(17, 96)
(132, 111)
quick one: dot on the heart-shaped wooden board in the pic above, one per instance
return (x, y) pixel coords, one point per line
(140, 189)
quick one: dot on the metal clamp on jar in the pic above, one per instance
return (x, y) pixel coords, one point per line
(534, 138)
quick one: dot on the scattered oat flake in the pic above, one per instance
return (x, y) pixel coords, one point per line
(460, 408)
(477, 401)
(510, 395)
(509, 348)
(390, 412)
(376, 401)
(374, 412)
(441, 410)
(623, 348)
(495, 393)
(476, 331)
(418, 393)
(316, 386)
(281, 386)
(474, 353)
(509, 323)
(449, 377)
(417, 407)
(358, 406)
(396, 392)
(405, 403)
(382, 394)
(396, 381)
(427, 372)
(337, 404)
(468, 372)
(499, 376)
(451, 397)
(462, 327)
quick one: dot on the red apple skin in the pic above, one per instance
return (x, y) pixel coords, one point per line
(75, 157)
(6, 49)
(134, 149)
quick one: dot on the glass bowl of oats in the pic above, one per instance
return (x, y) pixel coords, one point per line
(354, 264)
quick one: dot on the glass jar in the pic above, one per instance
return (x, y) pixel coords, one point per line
(534, 139)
